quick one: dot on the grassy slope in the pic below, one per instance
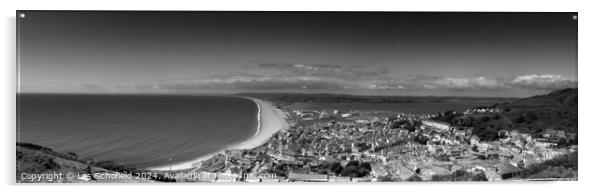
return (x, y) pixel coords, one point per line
(556, 110)
(33, 159)
(565, 166)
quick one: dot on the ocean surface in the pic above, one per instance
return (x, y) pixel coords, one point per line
(136, 130)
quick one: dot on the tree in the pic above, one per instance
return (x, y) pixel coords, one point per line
(353, 163)
(335, 167)
(365, 165)
(496, 116)
(356, 169)
(411, 128)
(530, 116)
(484, 119)
(487, 134)
(417, 170)
(414, 178)
(395, 124)
(475, 148)
(363, 172)
(480, 177)
(521, 164)
(469, 121)
(421, 139)
(460, 175)
(565, 166)
(386, 178)
(518, 119)
(350, 171)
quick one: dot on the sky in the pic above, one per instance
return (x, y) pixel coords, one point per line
(362, 53)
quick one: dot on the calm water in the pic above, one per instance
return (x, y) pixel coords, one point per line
(142, 131)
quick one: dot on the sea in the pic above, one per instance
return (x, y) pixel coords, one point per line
(157, 130)
(136, 130)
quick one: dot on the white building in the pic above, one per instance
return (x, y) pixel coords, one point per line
(436, 124)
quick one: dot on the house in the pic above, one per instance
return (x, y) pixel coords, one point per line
(436, 124)
(325, 115)
(457, 151)
(461, 133)
(294, 177)
(403, 172)
(269, 180)
(507, 170)
(474, 140)
(362, 179)
(483, 147)
(492, 176)
(339, 179)
(544, 143)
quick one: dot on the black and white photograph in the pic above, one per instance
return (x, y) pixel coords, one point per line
(269, 97)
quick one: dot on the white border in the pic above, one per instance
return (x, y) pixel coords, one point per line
(589, 92)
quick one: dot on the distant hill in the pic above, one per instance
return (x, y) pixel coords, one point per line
(36, 159)
(565, 98)
(288, 98)
(555, 110)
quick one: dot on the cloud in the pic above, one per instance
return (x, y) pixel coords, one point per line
(483, 83)
(291, 76)
(542, 82)
(249, 82)
(255, 82)
(278, 77)
(427, 82)
(478, 83)
(322, 70)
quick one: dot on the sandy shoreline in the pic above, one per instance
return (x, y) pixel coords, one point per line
(271, 120)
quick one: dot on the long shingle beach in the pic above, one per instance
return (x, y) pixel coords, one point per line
(271, 120)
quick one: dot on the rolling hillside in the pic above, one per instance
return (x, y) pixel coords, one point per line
(37, 160)
(556, 110)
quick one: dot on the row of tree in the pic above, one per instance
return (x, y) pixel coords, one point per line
(353, 168)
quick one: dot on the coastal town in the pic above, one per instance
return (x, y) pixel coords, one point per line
(368, 146)
(307, 94)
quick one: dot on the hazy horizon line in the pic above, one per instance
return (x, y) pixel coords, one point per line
(282, 93)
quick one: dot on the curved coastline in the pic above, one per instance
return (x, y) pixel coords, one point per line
(270, 120)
